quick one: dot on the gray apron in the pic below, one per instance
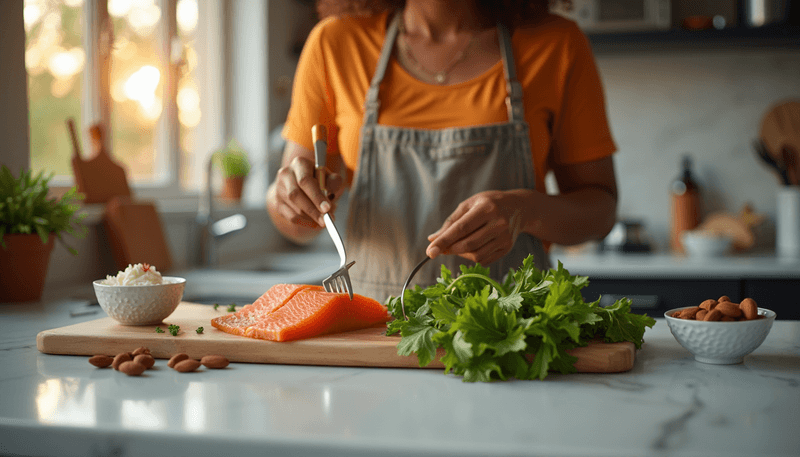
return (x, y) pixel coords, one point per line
(409, 180)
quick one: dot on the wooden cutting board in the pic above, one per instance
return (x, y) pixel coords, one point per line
(99, 178)
(362, 348)
(135, 234)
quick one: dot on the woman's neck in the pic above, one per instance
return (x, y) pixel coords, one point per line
(441, 20)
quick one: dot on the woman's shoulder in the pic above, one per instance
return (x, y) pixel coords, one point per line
(335, 29)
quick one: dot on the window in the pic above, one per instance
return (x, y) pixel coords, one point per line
(128, 65)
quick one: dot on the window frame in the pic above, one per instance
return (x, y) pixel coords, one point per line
(96, 105)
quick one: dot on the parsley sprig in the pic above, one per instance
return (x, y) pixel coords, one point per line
(174, 329)
(488, 330)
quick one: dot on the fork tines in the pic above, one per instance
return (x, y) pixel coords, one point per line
(339, 281)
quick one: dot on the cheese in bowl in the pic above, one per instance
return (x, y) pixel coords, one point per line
(141, 274)
(139, 295)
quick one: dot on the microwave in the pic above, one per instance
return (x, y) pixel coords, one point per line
(598, 16)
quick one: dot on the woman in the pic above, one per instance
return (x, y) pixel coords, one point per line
(447, 115)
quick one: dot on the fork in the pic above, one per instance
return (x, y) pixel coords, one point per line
(339, 281)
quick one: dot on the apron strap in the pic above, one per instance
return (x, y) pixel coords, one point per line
(372, 102)
(516, 111)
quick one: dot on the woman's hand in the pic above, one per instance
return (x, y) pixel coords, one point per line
(295, 201)
(483, 228)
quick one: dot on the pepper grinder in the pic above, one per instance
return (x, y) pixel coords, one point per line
(685, 201)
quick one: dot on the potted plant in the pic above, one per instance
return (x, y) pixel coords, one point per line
(30, 221)
(232, 161)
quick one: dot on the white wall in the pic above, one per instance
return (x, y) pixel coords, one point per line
(707, 103)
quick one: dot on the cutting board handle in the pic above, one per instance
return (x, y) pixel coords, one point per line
(76, 145)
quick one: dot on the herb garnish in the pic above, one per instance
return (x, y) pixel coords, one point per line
(199, 330)
(488, 329)
(232, 307)
(216, 305)
(159, 330)
(174, 329)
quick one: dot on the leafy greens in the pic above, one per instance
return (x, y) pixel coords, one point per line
(521, 328)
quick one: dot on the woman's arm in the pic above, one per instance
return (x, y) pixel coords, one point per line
(294, 200)
(484, 227)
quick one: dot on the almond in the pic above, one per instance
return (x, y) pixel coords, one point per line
(690, 313)
(145, 359)
(709, 304)
(214, 361)
(749, 308)
(187, 365)
(701, 315)
(723, 298)
(101, 361)
(141, 350)
(120, 359)
(729, 309)
(132, 368)
(177, 358)
(713, 315)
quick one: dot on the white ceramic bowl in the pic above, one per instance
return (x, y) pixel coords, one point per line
(720, 343)
(705, 245)
(140, 305)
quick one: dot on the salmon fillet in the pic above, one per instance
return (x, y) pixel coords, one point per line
(312, 312)
(289, 312)
(277, 296)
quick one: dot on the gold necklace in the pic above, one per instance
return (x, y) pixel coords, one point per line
(439, 77)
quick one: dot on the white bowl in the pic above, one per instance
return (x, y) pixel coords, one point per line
(704, 245)
(140, 305)
(717, 342)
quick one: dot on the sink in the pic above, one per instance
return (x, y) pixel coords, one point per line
(243, 282)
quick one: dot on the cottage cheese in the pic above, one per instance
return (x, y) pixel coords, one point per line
(135, 275)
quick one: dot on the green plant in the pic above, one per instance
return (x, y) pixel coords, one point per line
(232, 160)
(26, 209)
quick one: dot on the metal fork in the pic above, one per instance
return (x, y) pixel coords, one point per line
(339, 281)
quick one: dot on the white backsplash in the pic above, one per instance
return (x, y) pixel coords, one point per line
(707, 103)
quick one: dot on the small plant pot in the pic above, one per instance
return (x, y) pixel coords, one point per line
(232, 189)
(24, 263)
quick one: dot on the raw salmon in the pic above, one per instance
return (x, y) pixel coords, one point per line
(274, 298)
(292, 312)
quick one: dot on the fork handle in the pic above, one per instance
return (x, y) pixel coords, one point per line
(319, 135)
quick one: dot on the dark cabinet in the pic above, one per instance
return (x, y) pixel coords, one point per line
(655, 296)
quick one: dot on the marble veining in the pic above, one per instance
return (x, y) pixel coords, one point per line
(667, 405)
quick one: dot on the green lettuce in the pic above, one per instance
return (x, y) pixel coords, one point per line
(522, 328)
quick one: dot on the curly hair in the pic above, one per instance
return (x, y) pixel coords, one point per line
(513, 13)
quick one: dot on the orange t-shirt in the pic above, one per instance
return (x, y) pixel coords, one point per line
(562, 91)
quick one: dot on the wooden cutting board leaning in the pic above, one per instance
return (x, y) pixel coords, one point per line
(99, 178)
(362, 348)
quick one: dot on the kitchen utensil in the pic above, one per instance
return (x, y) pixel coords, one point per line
(720, 343)
(790, 162)
(776, 165)
(100, 178)
(408, 281)
(369, 347)
(780, 127)
(339, 281)
(135, 234)
(140, 305)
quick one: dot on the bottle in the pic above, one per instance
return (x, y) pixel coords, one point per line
(685, 196)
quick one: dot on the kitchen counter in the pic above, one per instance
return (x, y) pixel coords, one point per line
(660, 265)
(668, 405)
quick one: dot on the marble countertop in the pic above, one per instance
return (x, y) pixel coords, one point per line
(665, 265)
(668, 405)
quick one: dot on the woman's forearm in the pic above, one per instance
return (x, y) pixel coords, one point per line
(576, 217)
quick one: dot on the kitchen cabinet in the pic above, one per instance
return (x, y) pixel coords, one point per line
(655, 296)
(656, 283)
(770, 36)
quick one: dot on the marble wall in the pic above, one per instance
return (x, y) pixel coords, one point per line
(708, 103)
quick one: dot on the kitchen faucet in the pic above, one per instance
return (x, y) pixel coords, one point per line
(213, 231)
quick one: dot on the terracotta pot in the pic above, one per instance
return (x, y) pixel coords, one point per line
(232, 188)
(23, 264)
